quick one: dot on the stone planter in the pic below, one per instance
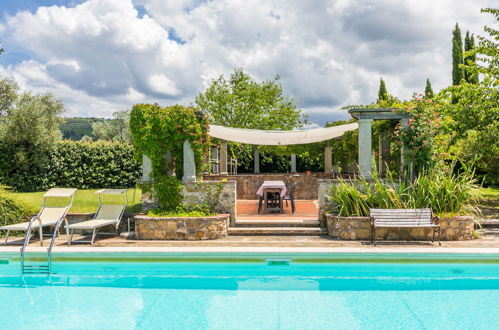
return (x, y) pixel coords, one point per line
(457, 228)
(188, 228)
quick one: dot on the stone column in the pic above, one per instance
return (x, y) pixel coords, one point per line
(328, 159)
(189, 163)
(384, 152)
(293, 163)
(256, 161)
(223, 158)
(169, 163)
(403, 161)
(214, 161)
(146, 169)
(365, 148)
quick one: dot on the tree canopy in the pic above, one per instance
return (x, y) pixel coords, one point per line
(457, 56)
(382, 92)
(243, 102)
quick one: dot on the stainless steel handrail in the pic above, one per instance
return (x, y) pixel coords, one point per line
(28, 236)
(49, 251)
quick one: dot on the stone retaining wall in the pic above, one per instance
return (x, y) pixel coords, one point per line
(170, 228)
(204, 191)
(457, 228)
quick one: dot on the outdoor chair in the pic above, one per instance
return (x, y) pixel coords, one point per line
(106, 215)
(291, 197)
(48, 215)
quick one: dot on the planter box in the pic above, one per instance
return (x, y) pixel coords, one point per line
(189, 228)
(457, 228)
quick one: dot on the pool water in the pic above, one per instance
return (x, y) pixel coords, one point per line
(253, 293)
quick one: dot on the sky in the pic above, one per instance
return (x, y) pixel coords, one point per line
(102, 56)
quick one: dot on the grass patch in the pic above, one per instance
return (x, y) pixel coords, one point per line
(86, 201)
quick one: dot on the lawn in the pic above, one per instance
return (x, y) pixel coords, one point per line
(85, 200)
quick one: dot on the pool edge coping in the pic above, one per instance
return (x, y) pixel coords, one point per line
(238, 250)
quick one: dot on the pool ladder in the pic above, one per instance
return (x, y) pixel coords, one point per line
(39, 269)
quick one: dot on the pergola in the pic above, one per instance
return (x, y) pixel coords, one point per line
(365, 116)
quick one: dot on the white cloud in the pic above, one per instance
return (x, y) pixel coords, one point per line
(102, 56)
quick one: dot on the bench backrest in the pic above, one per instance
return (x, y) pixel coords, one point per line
(417, 217)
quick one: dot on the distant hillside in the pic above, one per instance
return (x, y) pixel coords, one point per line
(77, 127)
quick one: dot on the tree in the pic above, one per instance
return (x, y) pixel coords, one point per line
(428, 91)
(116, 129)
(28, 134)
(243, 102)
(8, 95)
(382, 93)
(457, 56)
(469, 58)
(472, 122)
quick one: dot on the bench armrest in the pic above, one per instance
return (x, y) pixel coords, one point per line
(436, 220)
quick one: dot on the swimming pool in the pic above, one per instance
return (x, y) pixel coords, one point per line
(253, 291)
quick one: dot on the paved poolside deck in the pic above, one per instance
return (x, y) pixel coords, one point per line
(488, 243)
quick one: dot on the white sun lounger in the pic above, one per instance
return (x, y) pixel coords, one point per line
(106, 215)
(48, 215)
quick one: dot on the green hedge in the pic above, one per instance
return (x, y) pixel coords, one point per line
(73, 164)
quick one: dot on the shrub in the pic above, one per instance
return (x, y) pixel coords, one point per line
(10, 211)
(439, 189)
(74, 164)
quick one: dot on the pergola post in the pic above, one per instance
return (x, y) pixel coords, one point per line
(328, 159)
(223, 158)
(384, 152)
(403, 160)
(293, 163)
(256, 161)
(189, 163)
(365, 148)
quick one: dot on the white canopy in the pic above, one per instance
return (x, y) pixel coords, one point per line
(272, 138)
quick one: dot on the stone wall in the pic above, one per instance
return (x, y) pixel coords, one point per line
(306, 189)
(197, 192)
(169, 228)
(359, 228)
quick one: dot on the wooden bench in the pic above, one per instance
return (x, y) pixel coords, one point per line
(413, 218)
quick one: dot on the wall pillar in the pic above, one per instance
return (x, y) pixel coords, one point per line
(189, 163)
(293, 163)
(328, 159)
(384, 152)
(365, 148)
(223, 158)
(256, 161)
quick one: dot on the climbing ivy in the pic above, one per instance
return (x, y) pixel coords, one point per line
(158, 130)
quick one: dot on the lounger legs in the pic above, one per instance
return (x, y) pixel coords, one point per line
(6, 238)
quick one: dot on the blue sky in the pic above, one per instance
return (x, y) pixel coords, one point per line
(101, 56)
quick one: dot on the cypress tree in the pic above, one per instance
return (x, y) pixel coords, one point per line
(457, 56)
(470, 60)
(428, 91)
(382, 93)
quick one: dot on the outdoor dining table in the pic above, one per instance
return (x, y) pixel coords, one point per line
(272, 187)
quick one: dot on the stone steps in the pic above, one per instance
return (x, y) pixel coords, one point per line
(289, 231)
(277, 223)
